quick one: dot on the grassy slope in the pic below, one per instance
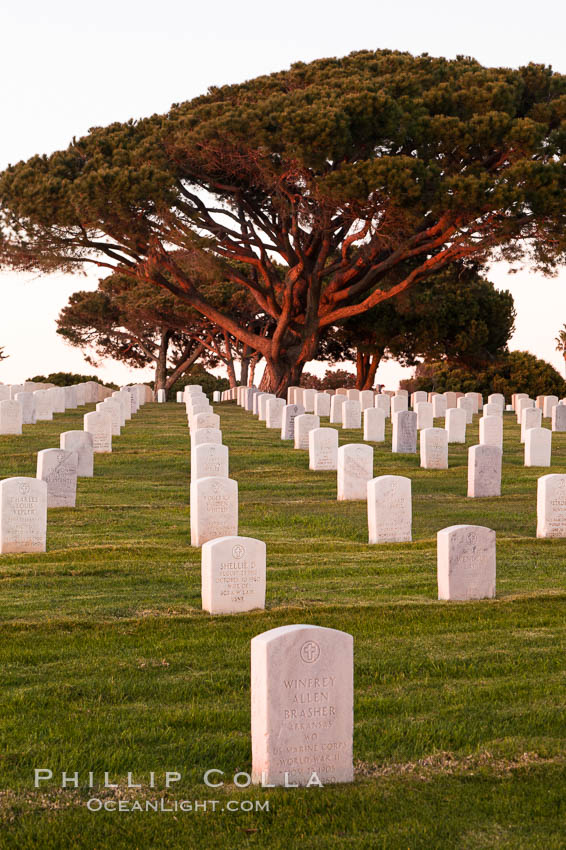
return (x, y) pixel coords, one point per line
(108, 663)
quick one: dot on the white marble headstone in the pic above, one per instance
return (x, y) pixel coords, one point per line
(323, 449)
(304, 423)
(404, 432)
(80, 442)
(233, 574)
(58, 468)
(214, 509)
(23, 515)
(274, 412)
(389, 509)
(11, 417)
(290, 413)
(209, 459)
(484, 471)
(538, 447)
(100, 426)
(302, 706)
(374, 425)
(434, 448)
(355, 469)
(466, 562)
(551, 506)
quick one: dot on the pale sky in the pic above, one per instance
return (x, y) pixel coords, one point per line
(67, 66)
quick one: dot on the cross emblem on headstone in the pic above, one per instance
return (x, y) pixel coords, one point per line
(310, 651)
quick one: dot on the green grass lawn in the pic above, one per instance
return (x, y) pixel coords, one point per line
(109, 664)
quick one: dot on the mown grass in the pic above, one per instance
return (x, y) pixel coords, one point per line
(107, 662)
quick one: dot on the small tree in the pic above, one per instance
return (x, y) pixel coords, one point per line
(561, 343)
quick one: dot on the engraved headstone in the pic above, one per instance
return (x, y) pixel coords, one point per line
(398, 404)
(455, 423)
(497, 398)
(43, 406)
(484, 471)
(491, 431)
(322, 404)
(383, 402)
(262, 405)
(71, 400)
(233, 575)
(491, 409)
(451, 401)
(366, 399)
(80, 442)
(205, 435)
(466, 562)
(550, 401)
(353, 395)
(209, 459)
(521, 404)
(558, 417)
(290, 413)
(100, 426)
(438, 407)
(161, 396)
(389, 509)
(58, 468)
(538, 447)
(467, 405)
(304, 423)
(214, 509)
(274, 412)
(112, 407)
(10, 417)
(351, 414)
(336, 403)
(551, 506)
(434, 448)
(374, 425)
(473, 397)
(425, 419)
(418, 397)
(302, 706)
(23, 515)
(308, 400)
(404, 432)
(205, 419)
(355, 469)
(531, 417)
(323, 449)
(27, 402)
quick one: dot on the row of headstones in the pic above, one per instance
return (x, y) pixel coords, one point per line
(24, 501)
(484, 460)
(21, 404)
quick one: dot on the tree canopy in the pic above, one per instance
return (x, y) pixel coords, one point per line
(2, 355)
(516, 371)
(457, 316)
(323, 190)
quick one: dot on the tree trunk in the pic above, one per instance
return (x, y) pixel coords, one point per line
(253, 364)
(184, 366)
(161, 363)
(366, 367)
(231, 373)
(244, 368)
